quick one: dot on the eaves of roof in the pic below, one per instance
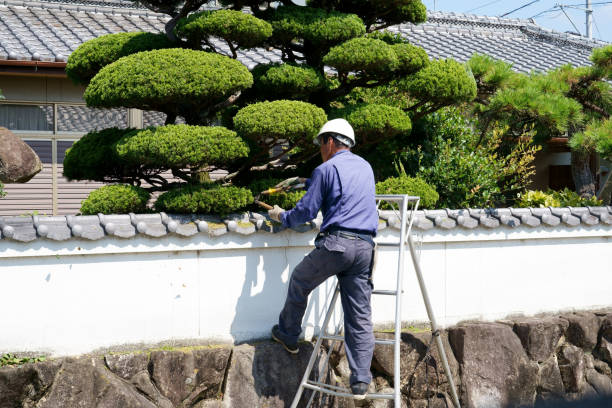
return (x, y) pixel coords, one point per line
(49, 30)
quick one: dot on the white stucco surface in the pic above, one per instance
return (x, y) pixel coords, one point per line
(77, 296)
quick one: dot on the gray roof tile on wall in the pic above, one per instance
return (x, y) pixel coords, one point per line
(159, 225)
(49, 30)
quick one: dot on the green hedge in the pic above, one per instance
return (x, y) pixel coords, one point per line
(317, 26)
(296, 121)
(285, 199)
(115, 199)
(414, 186)
(243, 29)
(443, 81)
(85, 62)
(156, 80)
(93, 157)
(554, 198)
(363, 54)
(204, 199)
(286, 81)
(374, 121)
(180, 146)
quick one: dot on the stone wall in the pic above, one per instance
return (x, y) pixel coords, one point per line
(522, 362)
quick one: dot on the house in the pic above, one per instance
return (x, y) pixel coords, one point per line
(47, 110)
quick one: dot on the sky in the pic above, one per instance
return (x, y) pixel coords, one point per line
(549, 17)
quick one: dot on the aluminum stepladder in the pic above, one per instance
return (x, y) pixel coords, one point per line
(406, 220)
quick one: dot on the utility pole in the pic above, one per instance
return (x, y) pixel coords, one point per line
(589, 19)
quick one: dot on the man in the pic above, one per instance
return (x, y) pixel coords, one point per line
(343, 188)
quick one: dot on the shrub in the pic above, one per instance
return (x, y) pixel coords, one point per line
(553, 198)
(204, 198)
(231, 25)
(443, 82)
(180, 146)
(319, 27)
(156, 80)
(116, 199)
(85, 62)
(413, 186)
(363, 54)
(289, 81)
(93, 157)
(295, 121)
(372, 122)
(284, 199)
(2, 192)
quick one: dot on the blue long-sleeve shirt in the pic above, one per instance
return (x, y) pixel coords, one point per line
(343, 188)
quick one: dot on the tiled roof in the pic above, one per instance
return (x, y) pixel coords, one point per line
(94, 227)
(49, 30)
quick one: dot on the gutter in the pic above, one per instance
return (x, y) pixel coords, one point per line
(28, 67)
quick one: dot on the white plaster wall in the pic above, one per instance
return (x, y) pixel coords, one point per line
(78, 296)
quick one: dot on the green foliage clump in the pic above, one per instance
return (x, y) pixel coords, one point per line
(318, 27)
(413, 186)
(378, 12)
(284, 199)
(2, 192)
(286, 81)
(9, 359)
(85, 62)
(411, 58)
(230, 25)
(174, 80)
(180, 146)
(596, 137)
(443, 82)
(553, 198)
(295, 121)
(93, 157)
(602, 58)
(116, 199)
(490, 74)
(373, 122)
(204, 198)
(369, 55)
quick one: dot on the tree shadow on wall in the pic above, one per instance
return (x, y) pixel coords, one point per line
(263, 373)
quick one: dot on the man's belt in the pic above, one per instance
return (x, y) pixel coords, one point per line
(348, 235)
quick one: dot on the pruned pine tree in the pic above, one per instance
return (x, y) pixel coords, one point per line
(572, 102)
(328, 50)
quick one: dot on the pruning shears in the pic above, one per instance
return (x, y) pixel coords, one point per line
(293, 183)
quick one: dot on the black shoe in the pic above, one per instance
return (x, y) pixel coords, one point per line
(359, 390)
(291, 348)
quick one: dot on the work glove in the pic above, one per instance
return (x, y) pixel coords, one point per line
(275, 213)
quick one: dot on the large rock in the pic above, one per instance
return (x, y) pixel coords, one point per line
(540, 336)
(20, 386)
(550, 385)
(495, 369)
(601, 383)
(583, 329)
(185, 377)
(604, 347)
(265, 375)
(572, 367)
(18, 162)
(86, 382)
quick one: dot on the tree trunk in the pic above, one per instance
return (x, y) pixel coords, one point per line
(582, 174)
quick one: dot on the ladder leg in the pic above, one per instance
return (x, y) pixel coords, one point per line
(434, 326)
(325, 365)
(315, 351)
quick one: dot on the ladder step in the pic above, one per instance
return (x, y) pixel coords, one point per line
(388, 244)
(385, 292)
(341, 338)
(341, 391)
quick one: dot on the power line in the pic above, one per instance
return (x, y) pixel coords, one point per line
(571, 21)
(596, 26)
(550, 10)
(483, 6)
(522, 7)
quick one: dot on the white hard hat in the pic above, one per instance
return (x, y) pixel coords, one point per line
(341, 129)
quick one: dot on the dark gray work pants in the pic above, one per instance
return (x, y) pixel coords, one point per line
(350, 260)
